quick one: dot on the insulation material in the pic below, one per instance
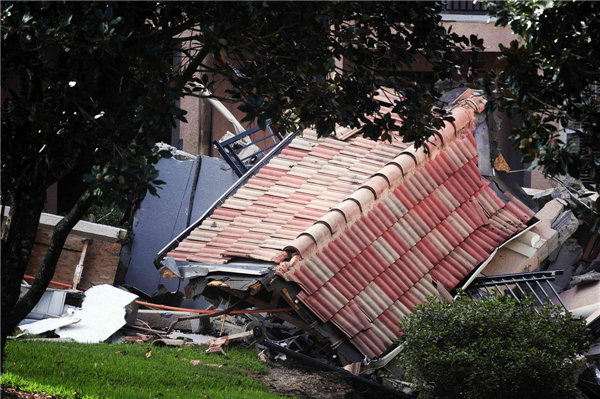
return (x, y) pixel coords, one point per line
(45, 325)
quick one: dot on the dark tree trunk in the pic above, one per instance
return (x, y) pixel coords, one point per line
(18, 244)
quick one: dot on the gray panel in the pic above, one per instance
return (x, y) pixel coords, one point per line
(159, 220)
(215, 178)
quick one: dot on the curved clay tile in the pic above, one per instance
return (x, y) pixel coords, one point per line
(334, 220)
(392, 173)
(364, 197)
(303, 244)
(378, 184)
(320, 233)
(350, 209)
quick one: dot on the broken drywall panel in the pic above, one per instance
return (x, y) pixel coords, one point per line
(102, 314)
(45, 325)
(159, 220)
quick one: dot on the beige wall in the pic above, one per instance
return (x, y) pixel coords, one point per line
(491, 35)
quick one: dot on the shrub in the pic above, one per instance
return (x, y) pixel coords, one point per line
(492, 349)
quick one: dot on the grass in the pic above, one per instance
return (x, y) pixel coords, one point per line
(73, 370)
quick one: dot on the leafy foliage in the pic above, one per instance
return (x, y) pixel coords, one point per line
(549, 79)
(95, 81)
(491, 349)
(93, 84)
(84, 83)
(283, 60)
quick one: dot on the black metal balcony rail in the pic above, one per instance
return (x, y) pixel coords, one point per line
(231, 149)
(518, 286)
(466, 7)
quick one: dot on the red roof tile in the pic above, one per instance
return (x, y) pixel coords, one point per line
(376, 225)
(290, 193)
(434, 221)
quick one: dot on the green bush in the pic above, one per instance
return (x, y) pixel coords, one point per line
(492, 349)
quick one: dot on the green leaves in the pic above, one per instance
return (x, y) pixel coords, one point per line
(491, 349)
(545, 75)
(65, 63)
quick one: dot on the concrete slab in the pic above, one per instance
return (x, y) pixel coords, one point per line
(508, 261)
(93, 231)
(532, 191)
(582, 300)
(551, 210)
(548, 240)
(565, 258)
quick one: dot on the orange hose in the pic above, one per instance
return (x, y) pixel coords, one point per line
(153, 305)
(63, 285)
(205, 311)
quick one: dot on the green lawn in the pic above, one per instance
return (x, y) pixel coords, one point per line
(125, 371)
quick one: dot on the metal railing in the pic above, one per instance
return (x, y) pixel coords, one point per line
(518, 286)
(465, 7)
(232, 148)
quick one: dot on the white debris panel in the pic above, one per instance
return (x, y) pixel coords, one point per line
(101, 315)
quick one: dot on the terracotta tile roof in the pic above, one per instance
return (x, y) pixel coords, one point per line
(366, 229)
(420, 220)
(295, 189)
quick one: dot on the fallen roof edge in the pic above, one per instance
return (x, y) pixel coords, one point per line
(483, 264)
(241, 181)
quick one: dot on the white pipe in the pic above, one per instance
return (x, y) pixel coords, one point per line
(223, 110)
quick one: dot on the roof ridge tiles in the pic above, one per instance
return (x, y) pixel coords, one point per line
(458, 248)
(387, 177)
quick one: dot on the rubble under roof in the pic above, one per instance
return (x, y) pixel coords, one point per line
(352, 233)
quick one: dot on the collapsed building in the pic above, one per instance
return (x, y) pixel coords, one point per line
(340, 237)
(352, 234)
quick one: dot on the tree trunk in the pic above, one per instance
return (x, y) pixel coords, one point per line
(17, 242)
(14, 309)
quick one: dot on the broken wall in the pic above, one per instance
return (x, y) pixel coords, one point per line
(159, 220)
(99, 267)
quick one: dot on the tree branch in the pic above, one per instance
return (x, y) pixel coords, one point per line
(48, 267)
(191, 69)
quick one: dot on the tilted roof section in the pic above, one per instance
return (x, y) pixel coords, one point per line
(424, 218)
(367, 229)
(294, 190)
